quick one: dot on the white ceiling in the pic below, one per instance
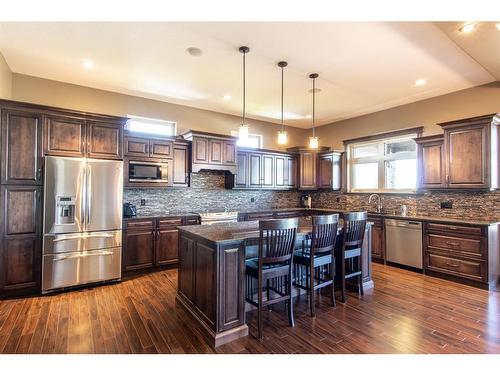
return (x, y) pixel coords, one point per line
(363, 67)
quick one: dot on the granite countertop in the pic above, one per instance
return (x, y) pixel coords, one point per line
(482, 221)
(162, 214)
(220, 233)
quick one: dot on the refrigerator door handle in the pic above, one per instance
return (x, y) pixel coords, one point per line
(78, 237)
(89, 193)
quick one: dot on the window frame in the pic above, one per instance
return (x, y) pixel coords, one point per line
(381, 159)
(151, 121)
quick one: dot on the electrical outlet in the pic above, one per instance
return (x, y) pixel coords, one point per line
(143, 202)
(252, 200)
(337, 199)
(447, 204)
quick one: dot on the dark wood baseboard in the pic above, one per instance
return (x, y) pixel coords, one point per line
(460, 280)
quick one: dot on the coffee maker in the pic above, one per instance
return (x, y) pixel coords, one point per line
(305, 201)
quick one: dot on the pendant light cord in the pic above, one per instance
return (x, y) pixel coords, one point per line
(244, 87)
(314, 102)
(282, 125)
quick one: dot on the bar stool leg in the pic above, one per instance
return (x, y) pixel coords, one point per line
(259, 315)
(290, 302)
(312, 294)
(332, 277)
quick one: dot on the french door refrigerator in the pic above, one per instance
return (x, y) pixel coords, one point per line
(82, 238)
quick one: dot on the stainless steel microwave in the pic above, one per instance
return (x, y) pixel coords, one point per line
(145, 171)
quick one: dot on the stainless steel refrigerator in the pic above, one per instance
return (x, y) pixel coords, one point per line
(82, 222)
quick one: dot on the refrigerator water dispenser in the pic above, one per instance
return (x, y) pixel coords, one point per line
(65, 210)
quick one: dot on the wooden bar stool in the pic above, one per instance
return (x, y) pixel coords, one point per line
(272, 269)
(350, 255)
(315, 262)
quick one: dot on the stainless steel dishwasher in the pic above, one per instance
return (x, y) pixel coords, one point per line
(403, 242)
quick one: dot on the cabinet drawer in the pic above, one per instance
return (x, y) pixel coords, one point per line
(171, 222)
(478, 231)
(140, 224)
(470, 268)
(468, 246)
(191, 220)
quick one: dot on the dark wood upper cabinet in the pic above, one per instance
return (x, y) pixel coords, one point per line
(21, 147)
(291, 172)
(64, 136)
(329, 171)
(229, 152)
(268, 171)
(470, 148)
(104, 140)
(135, 146)
(280, 165)
(180, 173)
(307, 170)
(241, 178)
(212, 151)
(254, 170)
(160, 149)
(431, 162)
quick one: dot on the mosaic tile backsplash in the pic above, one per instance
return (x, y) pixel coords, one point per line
(207, 194)
(466, 205)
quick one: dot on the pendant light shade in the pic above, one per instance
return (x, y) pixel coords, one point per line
(243, 130)
(282, 134)
(314, 140)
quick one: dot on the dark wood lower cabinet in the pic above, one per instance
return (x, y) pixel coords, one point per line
(20, 266)
(378, 238)
(152, 242)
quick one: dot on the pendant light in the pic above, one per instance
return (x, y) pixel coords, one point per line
(282, 134)
(243, 131)
(313, 141)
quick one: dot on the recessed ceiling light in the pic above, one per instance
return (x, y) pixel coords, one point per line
(467, 28)
(420, 82)
(193, 51)
(498, 26)
(227, 97)
(87, 63)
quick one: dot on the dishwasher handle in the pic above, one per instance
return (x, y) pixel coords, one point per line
(403, 223)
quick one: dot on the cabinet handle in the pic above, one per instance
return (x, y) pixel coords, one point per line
(186, 180)
(453, 243)
(453, 265)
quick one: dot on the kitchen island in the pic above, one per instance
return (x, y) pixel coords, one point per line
(211, 274)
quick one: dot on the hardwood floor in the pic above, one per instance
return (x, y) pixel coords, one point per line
(405, 313)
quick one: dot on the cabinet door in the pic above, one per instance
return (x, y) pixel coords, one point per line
(180, 175)
(21, 147)
(466, 157)
(229, 152)
(307, 170)
(254, 170)
(186, 267)
(21, 211)
(64, 136)
(138, 250)
(431, 168)
(378, 242)
(325, 171)
(291, 172)
(215, 151)
(268, 171)
(20, 260)
(281, 165)
(160, 149)
(136, 146)
(167, 246)
(104, 140)
(200, 150)
(242, 173)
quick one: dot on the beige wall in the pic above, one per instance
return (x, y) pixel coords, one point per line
(5, 79)
(476, 101)
(53, 93)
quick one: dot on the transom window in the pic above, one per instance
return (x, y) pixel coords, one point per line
(383, 165)
(252, 141)
(151, 126)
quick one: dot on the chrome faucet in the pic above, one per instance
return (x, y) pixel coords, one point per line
(379, 201)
